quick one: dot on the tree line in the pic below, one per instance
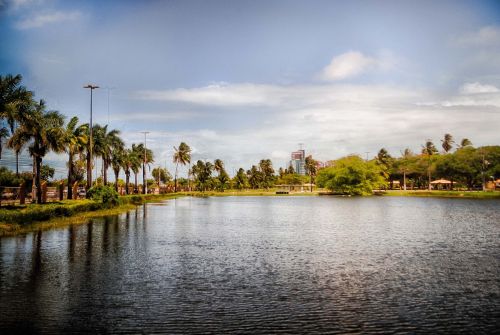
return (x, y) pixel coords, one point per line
(27, 124)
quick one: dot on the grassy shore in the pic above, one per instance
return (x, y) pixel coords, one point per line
(445, 194)
(22, 219)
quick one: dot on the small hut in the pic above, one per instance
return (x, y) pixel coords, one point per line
(441, 184)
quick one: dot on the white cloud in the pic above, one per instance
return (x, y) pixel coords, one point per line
(477, 88)
(41, 20)
(278, 96)
(347, 65)
(486, 36)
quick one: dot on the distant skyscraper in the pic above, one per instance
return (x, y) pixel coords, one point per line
(298, 161)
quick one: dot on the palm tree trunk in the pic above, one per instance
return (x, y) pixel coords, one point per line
(127, 180)
(89, 170)
(144, 178)
(33, 183)
(117, 172)
(135, 183)
(70, 176)
(38, 180)
(105, 172)
(404, 180)
(17, 163)
(175, 179)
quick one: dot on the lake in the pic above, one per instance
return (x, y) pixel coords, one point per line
(261, 265)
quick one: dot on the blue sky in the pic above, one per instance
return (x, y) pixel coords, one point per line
(245, 80)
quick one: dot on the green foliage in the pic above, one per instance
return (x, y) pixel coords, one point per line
(351, 175)
(9, 178)
(33, 213)
(240, 181)
(292, 179)
(46, 172)
(105, 195)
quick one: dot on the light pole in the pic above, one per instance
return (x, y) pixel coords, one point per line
(89, 151)
(145, 188)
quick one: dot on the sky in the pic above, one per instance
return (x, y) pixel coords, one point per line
(247, 80)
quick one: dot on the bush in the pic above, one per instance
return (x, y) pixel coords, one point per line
(352, 176)
(105, 195)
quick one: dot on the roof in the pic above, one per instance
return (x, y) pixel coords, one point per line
(441, 181)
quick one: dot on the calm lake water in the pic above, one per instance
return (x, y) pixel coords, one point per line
(261, 265)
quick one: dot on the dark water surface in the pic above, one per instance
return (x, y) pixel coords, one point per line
(261, 265)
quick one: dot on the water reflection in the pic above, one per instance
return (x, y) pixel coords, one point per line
(261, 265)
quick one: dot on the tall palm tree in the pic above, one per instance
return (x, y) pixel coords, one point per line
(44, 131)
(311, 169)
(429, 149)
(465, 143)
(145, 157)
(12, 96)
(104, 143)
(218, 165)
(447, 142)
(130, 162)
(117, 158)
(182, 155)
(75, 139)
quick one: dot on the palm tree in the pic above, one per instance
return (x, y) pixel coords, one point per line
(266, 167)
(12, 96)
(75, 140)
(104, 143)
(44, 130)
(182, 155)
(117, 159)
(406, 155)
(429, 149)
(130, 162)
(144, 157)
(447, 142)
(465, 143)
(311, 169)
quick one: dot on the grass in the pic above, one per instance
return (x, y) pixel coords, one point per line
(445, 194)
(22, 219)
(258, 192)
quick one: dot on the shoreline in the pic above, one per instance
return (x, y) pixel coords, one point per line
(65, 218)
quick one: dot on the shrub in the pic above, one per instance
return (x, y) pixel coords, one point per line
(103, 194)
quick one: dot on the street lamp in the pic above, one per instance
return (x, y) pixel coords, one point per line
(145, 188)
(89, 151)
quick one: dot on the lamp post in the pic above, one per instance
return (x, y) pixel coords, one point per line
(89, 151)
(145, 188)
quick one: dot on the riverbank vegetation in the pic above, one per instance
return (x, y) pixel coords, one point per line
(27, 125)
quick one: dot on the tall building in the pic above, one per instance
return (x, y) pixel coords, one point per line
(298, 161)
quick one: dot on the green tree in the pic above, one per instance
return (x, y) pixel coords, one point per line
(12, 96)
(117, 159)
(266, 168)
(182, 155)
(241, 179)
(429, 150)
(447, 143)
(255, 177)
(145, 157)
(311, 169)
(465, 142)
(351, 175)
(105, 142)
(46, 172)
(202, 172)
(75, 141)
(162, 175)
(44, 131)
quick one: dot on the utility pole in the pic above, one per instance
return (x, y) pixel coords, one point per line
(144, 181)
(89, 151)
